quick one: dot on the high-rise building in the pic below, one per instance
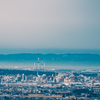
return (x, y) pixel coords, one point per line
(25, 78)
(22, 77)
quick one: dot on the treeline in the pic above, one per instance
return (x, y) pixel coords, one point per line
(51, 57)
(26, 72)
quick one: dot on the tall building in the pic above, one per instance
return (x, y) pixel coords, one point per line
(22, 77)
(25, 78)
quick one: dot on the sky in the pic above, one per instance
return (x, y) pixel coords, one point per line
(64, 24)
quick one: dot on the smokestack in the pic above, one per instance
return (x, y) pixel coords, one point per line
(38, 63)
(34, 65)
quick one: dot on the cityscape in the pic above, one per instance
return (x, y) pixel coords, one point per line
(49, 49)
(42, 84)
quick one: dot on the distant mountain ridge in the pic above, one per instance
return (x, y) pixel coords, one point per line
(93, 58)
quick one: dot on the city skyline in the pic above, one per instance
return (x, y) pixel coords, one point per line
(49, 50)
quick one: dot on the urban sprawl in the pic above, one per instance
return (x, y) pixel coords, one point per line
(53, 85)
(43, 84)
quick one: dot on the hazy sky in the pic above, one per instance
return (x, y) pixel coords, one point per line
(50, 24)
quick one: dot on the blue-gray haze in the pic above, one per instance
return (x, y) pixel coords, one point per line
(35, 24)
